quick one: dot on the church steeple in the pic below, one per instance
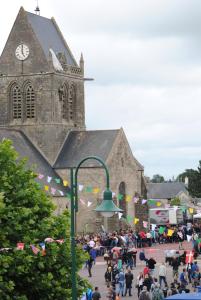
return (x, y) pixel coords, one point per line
(42, 86)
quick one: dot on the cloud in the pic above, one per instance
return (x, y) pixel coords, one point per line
(145, 58)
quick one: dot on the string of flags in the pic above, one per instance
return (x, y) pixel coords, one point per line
(40, 248)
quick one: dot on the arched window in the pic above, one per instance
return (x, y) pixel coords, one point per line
(16, 101)
(64, 99)
(29, 95)
(72, 101)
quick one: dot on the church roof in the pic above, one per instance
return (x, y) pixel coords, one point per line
(49, 36)
(165, 190)
(35, 159)
(80, 144)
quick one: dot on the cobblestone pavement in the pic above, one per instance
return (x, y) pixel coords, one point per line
(156, 251)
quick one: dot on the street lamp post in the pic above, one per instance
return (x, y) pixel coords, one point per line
(107, 208)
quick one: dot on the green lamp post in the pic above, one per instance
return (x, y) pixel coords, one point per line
(107, 208)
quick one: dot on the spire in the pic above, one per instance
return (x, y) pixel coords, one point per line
(82, 63)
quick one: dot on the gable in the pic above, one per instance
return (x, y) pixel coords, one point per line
(49, 36)
(22, 32)
(80, 144)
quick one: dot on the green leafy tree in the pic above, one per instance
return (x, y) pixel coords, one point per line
(26, 215)
(194, 180)
(157, 178)
(175, 201)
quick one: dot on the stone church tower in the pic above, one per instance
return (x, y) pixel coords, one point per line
(41, 85)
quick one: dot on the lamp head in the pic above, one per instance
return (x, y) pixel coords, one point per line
(107, 208)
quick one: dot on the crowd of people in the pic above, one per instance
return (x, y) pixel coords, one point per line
(120, 251)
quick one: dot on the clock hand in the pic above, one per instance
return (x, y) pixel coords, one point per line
(22, 49)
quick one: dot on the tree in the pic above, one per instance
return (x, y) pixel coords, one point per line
(175, 201)
(26, 215)
(194, 180)
(157, 178)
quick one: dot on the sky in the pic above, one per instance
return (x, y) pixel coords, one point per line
(145, 58)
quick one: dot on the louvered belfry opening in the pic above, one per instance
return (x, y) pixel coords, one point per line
(65, 102)
(16, 98)
(71, 102)
(30, 101)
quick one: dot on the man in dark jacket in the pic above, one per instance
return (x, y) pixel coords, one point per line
(129, 280)
(151, 264)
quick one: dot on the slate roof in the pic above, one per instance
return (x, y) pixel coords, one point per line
(26, 149)
(80, 144)
(165, 190)
(49, 36)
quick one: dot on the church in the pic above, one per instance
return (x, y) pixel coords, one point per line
(42, 110)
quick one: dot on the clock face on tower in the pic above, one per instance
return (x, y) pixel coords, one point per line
(22, 52)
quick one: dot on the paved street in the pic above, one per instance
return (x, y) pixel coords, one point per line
(156, 251)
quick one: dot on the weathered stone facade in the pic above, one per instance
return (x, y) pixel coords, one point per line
(47, 104)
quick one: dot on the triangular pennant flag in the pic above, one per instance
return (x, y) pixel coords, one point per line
(82, 201)
(96, 190)
(120, 215)
(57, 180)
(113, 194)
(145, 224)
(190, 210)
(34, 249)
(120, 197)
(46, 187)
(189, 237)
(68, 195)
(128, 198)
(158, 203)
(61, 193)
(49, 179)
(129, 218)
(89, 203)
(136, 220)
(40, 176)
(80, 187)
(53, 191)
(170, 232)
(89, 189)
(161, 230)
(135, 199)
(153, 226)
(65, 182)
(49, 240)
(183, 209)
(20, 246)
(144, 201)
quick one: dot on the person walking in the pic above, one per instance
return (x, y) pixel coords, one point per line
(89, 265)
(129, 280)
(140, 281)
(162, 272)
(144, 295)
(121, 280)
(151, 264)
(157, 293)
(96, 295)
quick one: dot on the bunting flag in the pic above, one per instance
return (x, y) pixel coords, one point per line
(135, 199)
(136, 220)
(161, 229)
(34, 249)
(80, 187)
(189, 237)
(65, 182)
(82, 201)
(40, 176)
(144, 201)
(49, 179)
(120, 215)
(183, 209)
(42, 245)
(128, 198)
(158, 203)
(191, 210)
(96, 190)
(145, 224)
(170, 232)
(53, 191)
(58, 180)
(20, 246)
(153, 226)
(46, 188)
(61, 193)
(89, 189)
(89, 203)
(120, 197)
(129, 219)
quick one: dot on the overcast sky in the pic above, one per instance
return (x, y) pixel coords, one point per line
(145, 57)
